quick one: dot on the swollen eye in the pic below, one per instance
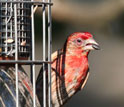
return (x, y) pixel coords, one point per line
(79, 41)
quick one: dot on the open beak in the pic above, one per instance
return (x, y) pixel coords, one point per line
(91, 44)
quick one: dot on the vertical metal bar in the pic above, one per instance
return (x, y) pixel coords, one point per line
(44, 55)
(33, 56)
(6, 48)
(11, 24)
(22, 18)
(16, 55)
(49, 52)
(1, 25)
(19, 26)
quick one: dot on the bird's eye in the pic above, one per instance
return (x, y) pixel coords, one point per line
(79, 41)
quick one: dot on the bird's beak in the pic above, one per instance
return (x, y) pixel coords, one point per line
(91, 44)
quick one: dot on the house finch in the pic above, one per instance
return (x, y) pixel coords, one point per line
(69, 68)
(8, 88)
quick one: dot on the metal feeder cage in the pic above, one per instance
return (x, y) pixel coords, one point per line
(17, 40)
(7, 29)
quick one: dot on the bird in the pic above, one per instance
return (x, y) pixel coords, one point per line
(69, 69)
(8, 87)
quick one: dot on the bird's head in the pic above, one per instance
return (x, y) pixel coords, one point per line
(81, 42)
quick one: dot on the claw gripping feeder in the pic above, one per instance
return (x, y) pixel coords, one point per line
(17, 38)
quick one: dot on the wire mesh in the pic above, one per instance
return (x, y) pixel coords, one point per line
(17, 40)
(7, 29)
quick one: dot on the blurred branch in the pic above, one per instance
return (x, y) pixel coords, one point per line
(99, 13)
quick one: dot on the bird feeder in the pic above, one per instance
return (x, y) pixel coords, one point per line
(17, 39)
(10, 24)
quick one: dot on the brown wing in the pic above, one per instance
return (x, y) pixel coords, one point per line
(39, 82)
(85, 80)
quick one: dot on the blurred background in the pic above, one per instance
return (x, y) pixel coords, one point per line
(105, 20)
